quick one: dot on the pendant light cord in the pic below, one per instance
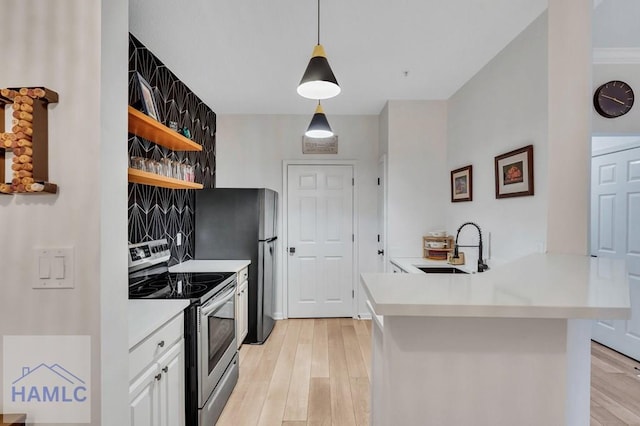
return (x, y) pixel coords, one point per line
(318, 21)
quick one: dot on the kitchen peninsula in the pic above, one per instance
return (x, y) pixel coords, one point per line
(508, 346)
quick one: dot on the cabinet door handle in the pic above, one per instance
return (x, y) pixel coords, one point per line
(161, 344)
(158, 376)
(166, 368)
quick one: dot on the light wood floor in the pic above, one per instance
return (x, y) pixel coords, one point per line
(316, 372)
(615, 388)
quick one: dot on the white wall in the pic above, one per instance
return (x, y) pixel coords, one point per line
(502, 108)
(383, 143)
(113, 155)
(615, 23)
(569, 134)
(62, 45)
(607, 144)
(417, 174)
(250, 150)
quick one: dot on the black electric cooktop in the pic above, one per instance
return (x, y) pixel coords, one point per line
(166, 285)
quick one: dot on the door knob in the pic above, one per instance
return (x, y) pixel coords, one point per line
(292, 251)
(380, 251)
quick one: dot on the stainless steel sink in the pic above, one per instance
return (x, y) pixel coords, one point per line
(442, 270)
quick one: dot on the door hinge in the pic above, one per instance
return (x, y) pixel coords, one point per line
(378, 181)
(378, 237)
(353, 181)
(353, 294)
(353, 238)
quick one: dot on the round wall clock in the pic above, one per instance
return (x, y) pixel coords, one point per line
(613, 99)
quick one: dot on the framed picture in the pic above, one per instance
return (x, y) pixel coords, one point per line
(461, 184)
(514, 173)
(149, 106)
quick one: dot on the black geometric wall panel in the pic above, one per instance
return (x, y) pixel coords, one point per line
(154, 212)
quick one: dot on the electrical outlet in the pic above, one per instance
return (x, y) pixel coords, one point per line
(179, 239)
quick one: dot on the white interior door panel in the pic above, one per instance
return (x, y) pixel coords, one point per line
(320, 241)
(615, 232)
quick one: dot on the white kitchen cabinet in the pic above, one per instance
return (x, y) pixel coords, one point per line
(377, 353)
(242, 305)
(143, 399)
(157, 379)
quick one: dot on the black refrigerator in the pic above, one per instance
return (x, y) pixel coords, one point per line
(236, 224)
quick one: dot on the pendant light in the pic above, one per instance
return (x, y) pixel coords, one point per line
(319, 126)
(318, 81)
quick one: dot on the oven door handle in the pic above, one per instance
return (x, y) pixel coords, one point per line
(217, 302)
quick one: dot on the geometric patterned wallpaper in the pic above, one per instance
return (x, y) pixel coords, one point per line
(154, 212)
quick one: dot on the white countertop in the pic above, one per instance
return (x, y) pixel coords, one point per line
(146, 315)
(411, 264)
(210, 266)
(536, 286)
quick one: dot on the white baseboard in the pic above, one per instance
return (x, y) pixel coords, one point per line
(280, 316)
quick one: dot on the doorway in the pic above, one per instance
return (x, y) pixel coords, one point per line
(615, 233)
(319, 257)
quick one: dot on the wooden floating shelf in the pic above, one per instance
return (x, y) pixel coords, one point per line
(146, 178)
(144, 126)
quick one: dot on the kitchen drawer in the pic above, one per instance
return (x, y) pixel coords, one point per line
(154, 345)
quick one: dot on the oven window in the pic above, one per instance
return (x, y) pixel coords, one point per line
(222, 330)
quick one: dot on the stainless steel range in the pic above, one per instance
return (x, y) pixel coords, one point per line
(211, 360)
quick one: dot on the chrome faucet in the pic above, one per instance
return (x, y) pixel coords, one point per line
(481, 265)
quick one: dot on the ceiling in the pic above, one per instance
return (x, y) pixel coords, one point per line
(247, 56)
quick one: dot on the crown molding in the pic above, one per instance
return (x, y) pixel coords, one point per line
(616, 55)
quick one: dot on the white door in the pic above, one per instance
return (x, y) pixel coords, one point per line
(615, 232)
(320, 241)
(382, 214)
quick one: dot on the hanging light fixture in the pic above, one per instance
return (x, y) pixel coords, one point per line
(318, 81)
(319, 126)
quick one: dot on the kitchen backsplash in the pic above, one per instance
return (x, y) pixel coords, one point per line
(154, 212)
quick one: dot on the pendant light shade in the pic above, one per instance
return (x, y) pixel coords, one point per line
(319, 126)
(318, 80)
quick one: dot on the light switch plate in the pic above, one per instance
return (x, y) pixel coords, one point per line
(54, 268)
